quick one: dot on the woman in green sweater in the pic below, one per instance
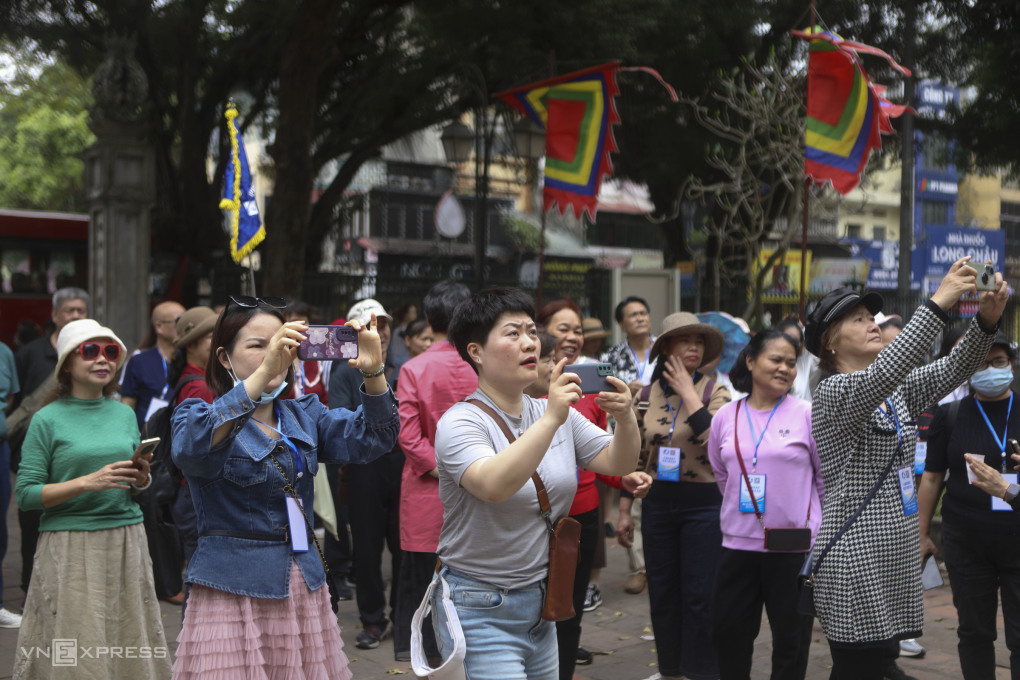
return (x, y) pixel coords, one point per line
(91, 608)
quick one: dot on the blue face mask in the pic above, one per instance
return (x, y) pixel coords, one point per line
(991, 382)
(265, 396)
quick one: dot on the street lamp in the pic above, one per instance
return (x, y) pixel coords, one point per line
(530, 140)
(458, 142)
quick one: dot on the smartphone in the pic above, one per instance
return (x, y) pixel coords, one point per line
(593, 377)
(985, 277)
(147, 447)
(329, 343)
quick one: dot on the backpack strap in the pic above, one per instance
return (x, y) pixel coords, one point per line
(951, 413)
(706, 396)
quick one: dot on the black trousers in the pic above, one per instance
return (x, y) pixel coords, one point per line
(744, 582)
(28, 521)
(416, 572)
(374, 503)
(568, 633)
(339, 553)
(980, 566)
(863, 663)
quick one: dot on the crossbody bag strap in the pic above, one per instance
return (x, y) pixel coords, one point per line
(846, 525)
(543, 495)
(743, 468)
(289, 489)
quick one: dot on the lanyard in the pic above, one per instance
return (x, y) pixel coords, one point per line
(1001, 442)
(286, 440)
(674, 414)
(896, 421)
(755, 437)
(166, 375)
(641, 366)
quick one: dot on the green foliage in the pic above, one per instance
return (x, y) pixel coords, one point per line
(43, 132)
(525, 236)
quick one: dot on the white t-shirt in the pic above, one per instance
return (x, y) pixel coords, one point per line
(507, 543)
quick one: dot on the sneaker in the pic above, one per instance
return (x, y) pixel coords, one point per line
(592, 598)
(636, 583)
(910, 648)
(584, 657)
(371, 636)
(9, 619)
(894, 672)
(402, 656)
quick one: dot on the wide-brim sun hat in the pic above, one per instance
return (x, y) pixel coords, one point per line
(834, 306)
(684, 323)
(193, 324)
(83, 330)
(593, 329)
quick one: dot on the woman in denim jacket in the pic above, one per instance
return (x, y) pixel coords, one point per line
(257, 601)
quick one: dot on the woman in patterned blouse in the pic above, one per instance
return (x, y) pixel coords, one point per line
(867, 587)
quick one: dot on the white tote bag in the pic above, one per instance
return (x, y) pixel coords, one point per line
(452, 667)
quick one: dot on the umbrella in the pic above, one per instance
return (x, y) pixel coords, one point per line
(733, 333)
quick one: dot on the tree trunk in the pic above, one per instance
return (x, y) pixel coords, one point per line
(287, 215)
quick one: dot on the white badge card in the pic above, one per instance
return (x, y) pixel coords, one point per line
(920, 455)
(998, 503)
(669, 463)
(907, 491)
(296, 523)
(758, 487)
(154, 406)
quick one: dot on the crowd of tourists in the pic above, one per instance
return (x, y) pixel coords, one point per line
(222, 468)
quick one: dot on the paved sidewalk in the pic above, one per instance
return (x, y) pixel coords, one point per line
(613, 632)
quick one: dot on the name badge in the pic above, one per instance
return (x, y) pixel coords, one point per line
(758, 487)
(154, 406)
(920, 455)
(998, 503)
(669, 463)
(296, 523)
(907, 492)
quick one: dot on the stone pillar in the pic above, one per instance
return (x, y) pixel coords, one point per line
(120, 181)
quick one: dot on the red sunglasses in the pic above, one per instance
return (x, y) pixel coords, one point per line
(89, 351)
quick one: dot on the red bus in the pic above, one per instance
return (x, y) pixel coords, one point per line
(40, 252)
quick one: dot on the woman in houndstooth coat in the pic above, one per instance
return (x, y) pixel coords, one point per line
(867, 591)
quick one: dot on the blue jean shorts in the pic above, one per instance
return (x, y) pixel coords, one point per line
(507, 639)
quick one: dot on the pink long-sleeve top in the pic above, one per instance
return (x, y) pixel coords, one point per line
(787, 457)
(428, 386)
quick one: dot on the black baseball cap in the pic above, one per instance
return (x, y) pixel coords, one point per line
(831, 309)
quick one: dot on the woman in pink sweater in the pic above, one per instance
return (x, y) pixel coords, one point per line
(764, 442)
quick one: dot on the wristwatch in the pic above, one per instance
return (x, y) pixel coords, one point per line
(1012, 491)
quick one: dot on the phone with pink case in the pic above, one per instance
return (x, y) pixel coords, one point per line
(329, 343)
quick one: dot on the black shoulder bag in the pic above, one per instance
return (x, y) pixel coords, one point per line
(806, 601)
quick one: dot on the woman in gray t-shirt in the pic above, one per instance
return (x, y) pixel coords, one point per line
(494, 544)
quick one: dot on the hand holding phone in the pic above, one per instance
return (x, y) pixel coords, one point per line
(146, 449)
(985, 276)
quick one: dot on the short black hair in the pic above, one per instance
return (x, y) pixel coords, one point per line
(740, 375)
(474, 318)
(626, 301)
(441, 301)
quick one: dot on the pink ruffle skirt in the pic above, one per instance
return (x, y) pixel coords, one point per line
(233, 637)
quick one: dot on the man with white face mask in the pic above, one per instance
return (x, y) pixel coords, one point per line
(374, 504)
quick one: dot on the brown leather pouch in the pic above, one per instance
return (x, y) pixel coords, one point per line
(563, 556)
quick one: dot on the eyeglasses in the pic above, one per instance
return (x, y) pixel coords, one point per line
(89, 351)
(249, 301)
(997, 362)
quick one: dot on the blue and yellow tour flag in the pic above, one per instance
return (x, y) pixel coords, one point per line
(246, 228)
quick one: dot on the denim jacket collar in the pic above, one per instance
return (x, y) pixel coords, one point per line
(257, 444)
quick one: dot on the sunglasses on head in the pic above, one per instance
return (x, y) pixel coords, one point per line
(90, 351)
(249, 301)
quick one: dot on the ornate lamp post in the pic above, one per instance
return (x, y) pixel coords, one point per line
(530, 141)
(458, 143)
